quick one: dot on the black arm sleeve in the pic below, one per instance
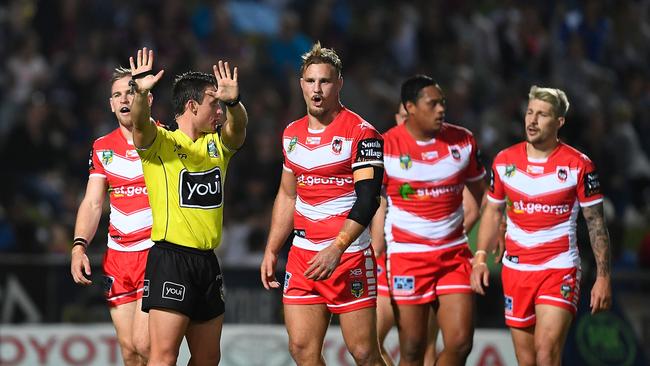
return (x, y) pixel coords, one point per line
(368, 191)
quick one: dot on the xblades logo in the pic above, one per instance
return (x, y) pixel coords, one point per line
(201, 189)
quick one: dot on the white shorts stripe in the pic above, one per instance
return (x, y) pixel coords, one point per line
(301, 297)
(125, 295)
(515, 319)
(414, 297)
(551, 298)
(351, 302)
(447, 287)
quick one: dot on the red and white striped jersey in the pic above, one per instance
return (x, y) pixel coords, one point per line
(322, 162)
(424, 187)
(116, 160)
(543, 197)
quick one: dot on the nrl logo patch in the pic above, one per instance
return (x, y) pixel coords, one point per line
(565, 290)
(356, 288)
(405, 161)
(337, 145)
(212, 149)
(510, 170)
(107, 157)
(292, 144)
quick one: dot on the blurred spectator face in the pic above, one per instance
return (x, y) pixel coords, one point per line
(428, 113)
(121, 99)
(320, 87)
(401, 115)
(541, 123)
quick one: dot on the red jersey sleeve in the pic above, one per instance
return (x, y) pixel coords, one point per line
(367, 147)
(588, 187)
(475, 169)
(95, 166)
(496, 193)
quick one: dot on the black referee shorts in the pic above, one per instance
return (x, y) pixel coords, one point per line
(183, 279)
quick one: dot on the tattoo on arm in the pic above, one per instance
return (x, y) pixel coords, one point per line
(599, 237)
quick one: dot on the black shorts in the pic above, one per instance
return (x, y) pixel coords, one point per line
(183, 279)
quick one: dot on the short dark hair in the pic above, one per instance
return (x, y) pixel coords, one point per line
(321, 55)
(412, 87)
(190, 86)
(118, 73)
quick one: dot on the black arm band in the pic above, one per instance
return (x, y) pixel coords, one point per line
(233, 103)
(80, 241)
(142, 74)
(367, 202)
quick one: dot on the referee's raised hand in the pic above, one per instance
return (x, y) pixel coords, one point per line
(227, 83)
(142, 71)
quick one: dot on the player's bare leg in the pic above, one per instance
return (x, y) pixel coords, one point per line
(306, 325)
(430, 352)
(166, 330)
(141, 331)
(524, 341)
(456, 319)
(203, 340)
(412, 324)
(359, 329)
(551, 330)
(385, 321)
(123, 316)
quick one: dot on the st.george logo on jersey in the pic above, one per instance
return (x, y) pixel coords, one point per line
(562, 174)
(337, 145)
(201, 189)
(455, 152)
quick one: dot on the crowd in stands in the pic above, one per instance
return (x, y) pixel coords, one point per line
(56, 57)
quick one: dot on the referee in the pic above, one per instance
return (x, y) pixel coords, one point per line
(185, 171)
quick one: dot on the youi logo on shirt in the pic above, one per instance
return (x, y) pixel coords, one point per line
(201, 189)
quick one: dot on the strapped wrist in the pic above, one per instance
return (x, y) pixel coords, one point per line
(342, 241)
(234, 102)
(80, 241)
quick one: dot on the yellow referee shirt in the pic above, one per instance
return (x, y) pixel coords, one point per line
(185, 182)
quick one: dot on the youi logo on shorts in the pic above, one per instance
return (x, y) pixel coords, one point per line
(173, 291)
(201, 189)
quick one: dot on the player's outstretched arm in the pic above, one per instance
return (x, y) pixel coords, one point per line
(234, 129)
(487, 234)
(367, 186)
(88, 216)
(143, 80)
(601, 293)
(281, 226)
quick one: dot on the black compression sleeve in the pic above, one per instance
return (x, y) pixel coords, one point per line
(367, 202)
